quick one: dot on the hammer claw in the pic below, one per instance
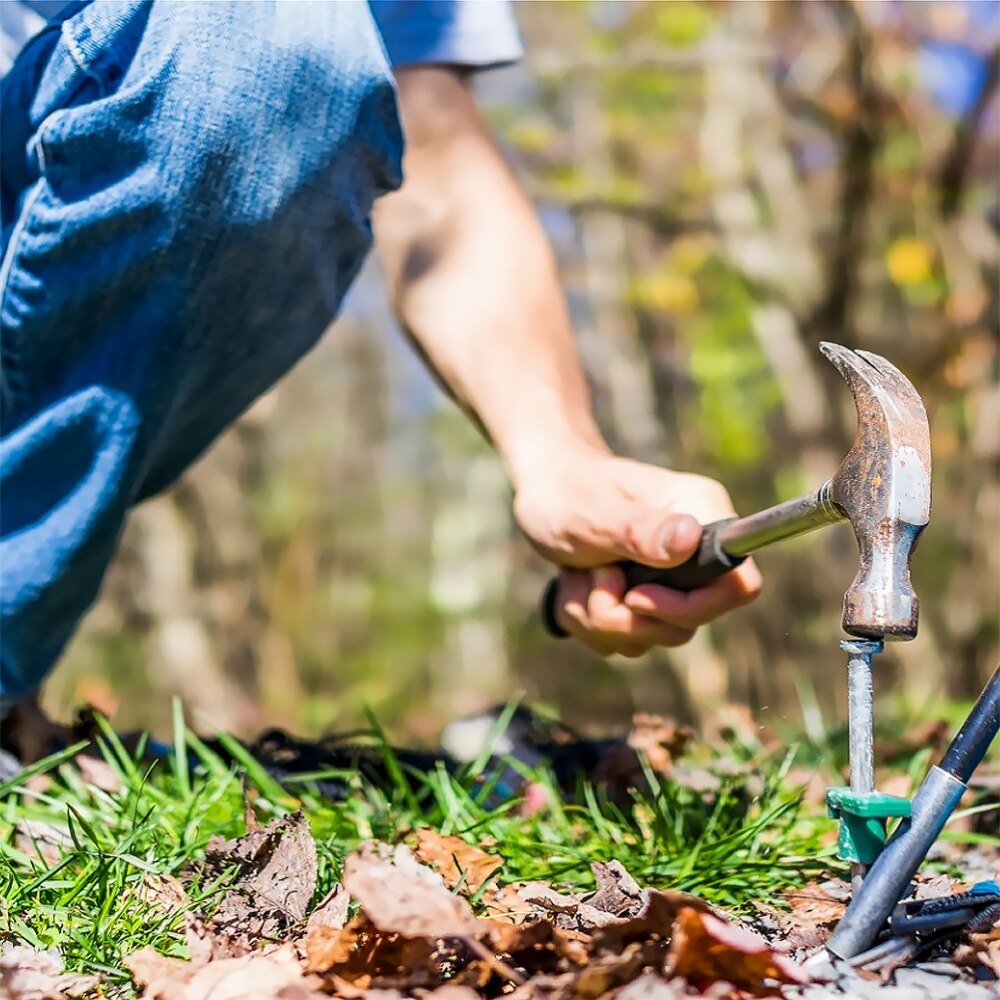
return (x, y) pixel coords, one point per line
(901, 387)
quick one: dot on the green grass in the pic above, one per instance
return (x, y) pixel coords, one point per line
(747, 839)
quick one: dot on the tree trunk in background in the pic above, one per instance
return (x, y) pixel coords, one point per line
(609, 339)
(468, 583)
(180, 655)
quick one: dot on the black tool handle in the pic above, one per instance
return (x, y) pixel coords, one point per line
(707, 564)
(969, 746)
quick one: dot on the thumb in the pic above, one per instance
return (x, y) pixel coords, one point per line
(654, 538)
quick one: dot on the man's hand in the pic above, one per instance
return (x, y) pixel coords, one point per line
(594, 509)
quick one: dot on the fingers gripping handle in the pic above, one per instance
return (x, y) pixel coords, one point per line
(707, 564)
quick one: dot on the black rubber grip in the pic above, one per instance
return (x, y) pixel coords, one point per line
(707, 564)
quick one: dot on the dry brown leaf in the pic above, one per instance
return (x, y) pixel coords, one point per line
(250, 977)
(162, 891)
(541, 895)
(660, 740)
(38, 975)
(655, 919)
(705, 950)
(935, 886)
(38, 839)
(329, 946)
(986, 949)
(612, 971)
(149, 967)
(96, 771)
(461, 866)
(812, 915)
(617, 892)
(545, 988)
(401, 896)
(652, 987)
(571, 912)
(331, 910)
(275, 882)
(475, 975)
(363, 955)
(539, 946)
(818, 904)
(450, 992)
(505, 903)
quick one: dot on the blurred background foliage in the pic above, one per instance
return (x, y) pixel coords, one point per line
(726, 185)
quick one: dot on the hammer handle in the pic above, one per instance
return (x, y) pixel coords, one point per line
(708, 563)
(724, 545)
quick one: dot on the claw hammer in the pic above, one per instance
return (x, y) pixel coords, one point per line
(883, 487)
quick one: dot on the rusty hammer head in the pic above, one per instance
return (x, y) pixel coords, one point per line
(883, 487)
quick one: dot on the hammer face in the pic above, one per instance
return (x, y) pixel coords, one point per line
(884, 487)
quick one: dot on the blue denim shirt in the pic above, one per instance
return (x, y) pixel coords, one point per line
(473, 33)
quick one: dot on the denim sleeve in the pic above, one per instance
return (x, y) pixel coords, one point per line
(473, 33)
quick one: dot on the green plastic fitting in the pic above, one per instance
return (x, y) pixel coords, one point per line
(863, 818)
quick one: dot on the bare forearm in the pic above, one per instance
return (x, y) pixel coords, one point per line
(474, 281)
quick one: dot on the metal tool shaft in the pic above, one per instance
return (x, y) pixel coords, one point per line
(743, 535)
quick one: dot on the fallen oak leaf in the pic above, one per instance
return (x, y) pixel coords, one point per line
(544, 896)
(653, 987)
(462, 866)
(935, 886)
(617, 892)
(38, 975)
(505, 903)
(150, 969)
(813, 912)
(276, 877)
(558, 987)
(401, 896)
(43, 841)
(162, 891)
(362, 955)
(331, 911)
(656, 919)
(985, 948)
(537, 946)
(452, 992)
(612, 971)
(660, 740)
(705, 949)
(249, 977)
(572, 913)
(98, 773)
(405, 909)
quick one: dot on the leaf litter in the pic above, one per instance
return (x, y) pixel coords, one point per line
(431, 918)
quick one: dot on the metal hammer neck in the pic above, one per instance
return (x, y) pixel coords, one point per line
(744, 535)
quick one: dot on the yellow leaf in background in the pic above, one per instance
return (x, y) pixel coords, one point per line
(681, 24)
(673, 293)
(909, 260)
(530, 136)
(688, 253)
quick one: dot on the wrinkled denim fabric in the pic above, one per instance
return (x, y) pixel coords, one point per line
(185, 190)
